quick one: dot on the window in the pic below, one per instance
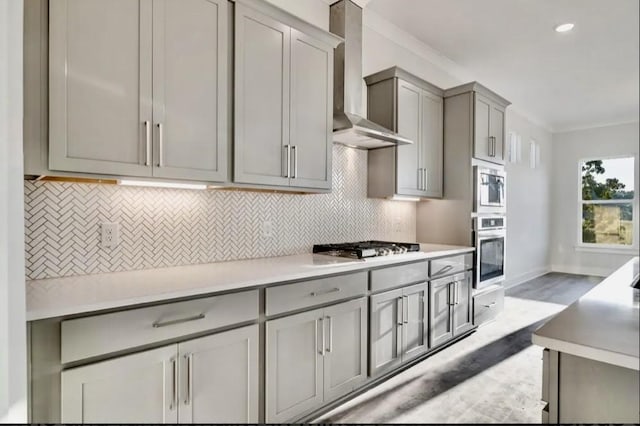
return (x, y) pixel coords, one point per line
(608, 200)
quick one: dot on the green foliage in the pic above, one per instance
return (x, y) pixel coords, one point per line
(611, 189)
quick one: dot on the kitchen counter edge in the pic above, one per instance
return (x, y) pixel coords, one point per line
(86, 294)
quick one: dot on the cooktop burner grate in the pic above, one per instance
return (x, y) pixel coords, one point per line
(364, 249)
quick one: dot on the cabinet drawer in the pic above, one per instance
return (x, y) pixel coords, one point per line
(285, 298)
(396, 276)
(450, 265)
(103, 334)
(487, 305)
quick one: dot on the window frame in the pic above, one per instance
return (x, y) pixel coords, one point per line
(611, 248)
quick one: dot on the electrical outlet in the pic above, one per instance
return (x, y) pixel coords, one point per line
(267, 229)
(110, 234)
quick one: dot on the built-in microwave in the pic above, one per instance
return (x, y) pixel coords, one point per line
(490, 191)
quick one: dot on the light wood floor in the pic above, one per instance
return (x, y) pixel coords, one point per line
(492, 376)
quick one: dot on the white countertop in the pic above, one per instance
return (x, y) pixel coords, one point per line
(602, 325)
(49, 298)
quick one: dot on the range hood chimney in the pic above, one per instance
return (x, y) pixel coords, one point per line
(349, 126)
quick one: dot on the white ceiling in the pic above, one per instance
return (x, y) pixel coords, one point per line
(585, 78)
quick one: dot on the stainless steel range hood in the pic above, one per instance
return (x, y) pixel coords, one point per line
(349, 126)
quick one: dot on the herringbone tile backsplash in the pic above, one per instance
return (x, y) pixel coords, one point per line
(167, 227)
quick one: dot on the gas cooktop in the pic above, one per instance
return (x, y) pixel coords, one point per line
(365, 249)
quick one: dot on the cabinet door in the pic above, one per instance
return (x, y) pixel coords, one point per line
(415, 335)
(190, 83)
(497, 132)
(440, 320)
(100, 86)
(294, 382)
(482, 128)
(431, 140)
(262, 80)
(462, 312)
(139, 388)
(345, 361)
(311, 111)
(219, 378)
(408, 156)
(386, 331)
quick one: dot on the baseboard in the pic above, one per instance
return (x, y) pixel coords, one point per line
(582, 270)
(527, 276)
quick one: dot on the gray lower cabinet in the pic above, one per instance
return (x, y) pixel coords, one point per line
(399, 327)
(413, 108)
(314, 357)
(283, 103)
(450, 307)
(583, 390)
(179, 383)
(127, 94)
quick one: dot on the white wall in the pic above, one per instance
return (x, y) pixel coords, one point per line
(528, 204)
(569, 149)
(13, 372)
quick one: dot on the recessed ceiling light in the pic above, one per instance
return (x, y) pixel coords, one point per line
(563, 28)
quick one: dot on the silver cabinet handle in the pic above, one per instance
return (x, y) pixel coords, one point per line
(419, 179)
(443, 270)
(287, 169)
(321, 345)
(174, 384)
(400, 311)
(160, 145)
(490, 305)
(405, 309)
(189, 359)
(399, 326)
(147, 134)
(492, 146)
(159, 324)
(450, 294)
(425, 176)
(330, 327)
(322, 293)
(294, 148)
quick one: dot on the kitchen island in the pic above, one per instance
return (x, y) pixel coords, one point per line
(591, 367)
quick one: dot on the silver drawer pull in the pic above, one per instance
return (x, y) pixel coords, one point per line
(490, 305)
(322, 293)
(159, 324)
(443, 270)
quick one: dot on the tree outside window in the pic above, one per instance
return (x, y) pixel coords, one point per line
(607, 201)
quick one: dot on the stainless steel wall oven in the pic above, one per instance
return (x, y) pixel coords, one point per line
(490, 235)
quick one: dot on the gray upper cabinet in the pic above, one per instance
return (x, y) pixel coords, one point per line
(262, 76)
(414, 108)
(139, 88)
(486, 115)
(190, 89)
(100, 86)
(283, 99)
